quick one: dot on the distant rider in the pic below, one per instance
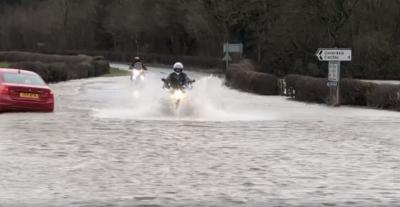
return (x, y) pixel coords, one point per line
(137, 64)
(177, 79)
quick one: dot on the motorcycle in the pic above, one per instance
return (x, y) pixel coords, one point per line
(137, 75)
(178, 94)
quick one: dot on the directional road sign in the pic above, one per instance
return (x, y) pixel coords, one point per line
(334, 54)
(237, 48)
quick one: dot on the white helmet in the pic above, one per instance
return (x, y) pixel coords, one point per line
(178, 67)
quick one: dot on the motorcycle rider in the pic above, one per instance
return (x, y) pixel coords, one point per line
(177, 79)
(137, 64)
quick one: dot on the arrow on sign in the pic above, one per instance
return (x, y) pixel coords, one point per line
(319, 54)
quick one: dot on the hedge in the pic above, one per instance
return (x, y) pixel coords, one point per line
(123, 56)
(55, 68)
(244, 76)
(352, 92)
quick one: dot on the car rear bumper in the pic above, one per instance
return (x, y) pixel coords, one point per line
(9, 105)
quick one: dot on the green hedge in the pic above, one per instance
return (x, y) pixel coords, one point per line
(352, 92)
(244, 76)
(308, 89)
(384, 96)
(55, 68)
(121, 56)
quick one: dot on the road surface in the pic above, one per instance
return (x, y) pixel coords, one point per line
(114, 143)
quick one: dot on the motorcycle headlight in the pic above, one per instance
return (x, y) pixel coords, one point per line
(136, 72)
(178, 94)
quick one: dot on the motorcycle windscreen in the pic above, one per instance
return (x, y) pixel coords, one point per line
(138, 66)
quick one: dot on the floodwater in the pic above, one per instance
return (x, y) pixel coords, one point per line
(115, 143)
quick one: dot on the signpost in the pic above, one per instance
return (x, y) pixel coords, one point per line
(334, 56)
(227, 58)
(231, 48)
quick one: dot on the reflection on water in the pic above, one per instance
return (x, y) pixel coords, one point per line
(108, 146)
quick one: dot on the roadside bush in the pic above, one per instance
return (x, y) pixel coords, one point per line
(56, 72)
(244, 76)
(262, 83)
(309, 89)
(353, 92)
(50, 72)
(55, 68)
(101, 66)
(17, 56)
(120, 56)
(384, 96)
(84, 69)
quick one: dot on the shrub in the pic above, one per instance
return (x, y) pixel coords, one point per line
(101, 67)
(244, 76)
(121, 56)
(311, 89)
(16, 56)
(57, 72)
(54, 68)
(353, 92)
(308, 89)
(52, 72)
(384, 96)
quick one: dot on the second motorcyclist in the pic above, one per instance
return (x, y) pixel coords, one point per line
(138, 69)
(137, 64)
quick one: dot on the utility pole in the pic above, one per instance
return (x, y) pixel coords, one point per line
(227, 52)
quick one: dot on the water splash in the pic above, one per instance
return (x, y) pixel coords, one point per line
(209, 100)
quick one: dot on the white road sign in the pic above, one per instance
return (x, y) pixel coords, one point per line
(238, 48)
(334, 54)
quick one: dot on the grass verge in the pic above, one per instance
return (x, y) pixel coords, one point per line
(4, 65)
(115, 72)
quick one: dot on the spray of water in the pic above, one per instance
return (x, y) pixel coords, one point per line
(209, 100)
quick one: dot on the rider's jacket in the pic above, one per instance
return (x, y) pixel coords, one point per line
(138, 65)
(175, 80)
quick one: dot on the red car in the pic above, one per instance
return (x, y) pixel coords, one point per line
(22, 90)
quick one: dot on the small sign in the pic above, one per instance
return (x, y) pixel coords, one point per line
(334, 54)
(332, 83)
(237, 48)
(334, 71)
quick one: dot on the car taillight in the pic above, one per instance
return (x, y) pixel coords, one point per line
(48, 94)
(4, 90)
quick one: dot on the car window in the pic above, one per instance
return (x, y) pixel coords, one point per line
(19, 78)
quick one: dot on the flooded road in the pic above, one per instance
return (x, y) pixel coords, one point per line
(114, 143)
